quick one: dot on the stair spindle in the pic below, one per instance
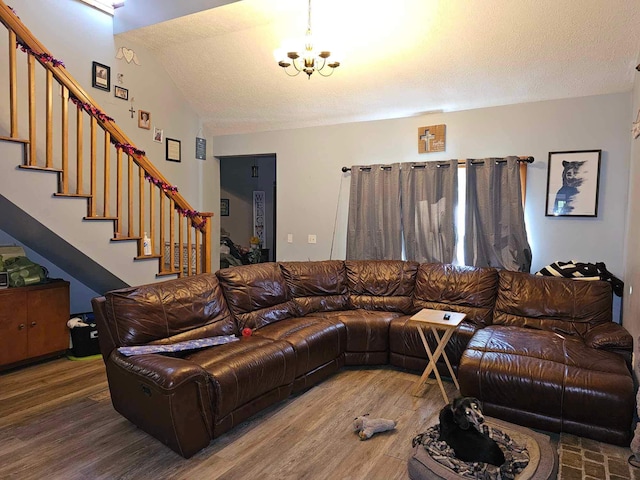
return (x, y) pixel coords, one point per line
(13, 85)
(107, 173)
(197, 244)
(31, 64)
(172, 235)
(130, 177)
(118, 232)
(93, 168)
(140, 208)
(79, 151)
(163, 213)
(189, 247)
(180, 246)
(49, 120)
(152, 217)
(64, 107)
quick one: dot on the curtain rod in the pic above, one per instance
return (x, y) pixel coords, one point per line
(460, 162)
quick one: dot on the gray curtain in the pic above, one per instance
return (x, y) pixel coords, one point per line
(429, 201)
(495, 233)
(374, 229)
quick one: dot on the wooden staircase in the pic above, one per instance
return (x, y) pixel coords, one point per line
(94, 160)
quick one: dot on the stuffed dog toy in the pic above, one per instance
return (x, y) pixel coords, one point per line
(366, 427)
(460, 423)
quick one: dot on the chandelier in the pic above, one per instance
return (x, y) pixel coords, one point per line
(307, 59)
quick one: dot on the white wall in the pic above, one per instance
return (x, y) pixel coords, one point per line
(141, 13)
(313, 192)
(631, 308)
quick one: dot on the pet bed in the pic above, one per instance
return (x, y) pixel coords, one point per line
(529, 456)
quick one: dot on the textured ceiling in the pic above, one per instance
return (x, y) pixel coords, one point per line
(399, 57)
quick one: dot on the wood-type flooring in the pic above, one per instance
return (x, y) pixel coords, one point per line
(57, 422)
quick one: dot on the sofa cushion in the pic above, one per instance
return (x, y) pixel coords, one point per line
(470, 290)
(367, 334)
(561, 305)
(175, 310)
(242, 371)
(314, 340)
(317, 286)
(257, 295)
(381, 284)
(550, 381)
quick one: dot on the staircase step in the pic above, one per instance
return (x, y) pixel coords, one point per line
(146, 257)
(41, 169)
(73, 195)
(16, 140)
(122, 239)
(166, 273)
(97, 217)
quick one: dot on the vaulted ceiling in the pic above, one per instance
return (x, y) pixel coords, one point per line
(399, 58)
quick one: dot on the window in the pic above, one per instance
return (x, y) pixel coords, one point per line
(462, 194)
(107, 6)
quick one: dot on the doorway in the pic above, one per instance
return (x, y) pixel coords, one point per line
(245, 212)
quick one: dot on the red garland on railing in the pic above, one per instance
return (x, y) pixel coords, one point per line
(129, 149)
(159, 183)
(87, 107)
(44, 57)
(192, 214)
(172, 188)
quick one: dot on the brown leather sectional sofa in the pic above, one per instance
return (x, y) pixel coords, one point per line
(537, 351)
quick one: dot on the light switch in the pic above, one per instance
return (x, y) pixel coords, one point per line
(290, 238)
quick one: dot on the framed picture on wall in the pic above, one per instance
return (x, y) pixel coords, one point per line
(224, 207)
(572, 183)
(144, 120)
(173, 150)
(121, 93)
(101, 76)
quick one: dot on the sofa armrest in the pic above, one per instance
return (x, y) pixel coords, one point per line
(169, 398)
(609, 336)
(166, 373)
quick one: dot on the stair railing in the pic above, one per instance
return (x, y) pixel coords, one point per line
(180, 236)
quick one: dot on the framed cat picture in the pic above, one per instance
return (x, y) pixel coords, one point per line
(573, 179)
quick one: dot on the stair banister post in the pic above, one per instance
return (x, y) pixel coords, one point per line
(206, 241)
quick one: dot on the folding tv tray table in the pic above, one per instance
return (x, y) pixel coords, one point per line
(435, 320)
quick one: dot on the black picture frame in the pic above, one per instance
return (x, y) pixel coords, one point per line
(174, 153)
(224, 207)
(121, 93)
(573, 183)
(101, 76)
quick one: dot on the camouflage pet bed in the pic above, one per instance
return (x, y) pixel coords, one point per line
(529, 456)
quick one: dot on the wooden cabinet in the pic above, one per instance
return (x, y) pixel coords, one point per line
(33, 321)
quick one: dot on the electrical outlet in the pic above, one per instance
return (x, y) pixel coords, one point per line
(312, 239)
(290, 238)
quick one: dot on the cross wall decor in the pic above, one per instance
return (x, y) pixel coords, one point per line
(431, 139)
